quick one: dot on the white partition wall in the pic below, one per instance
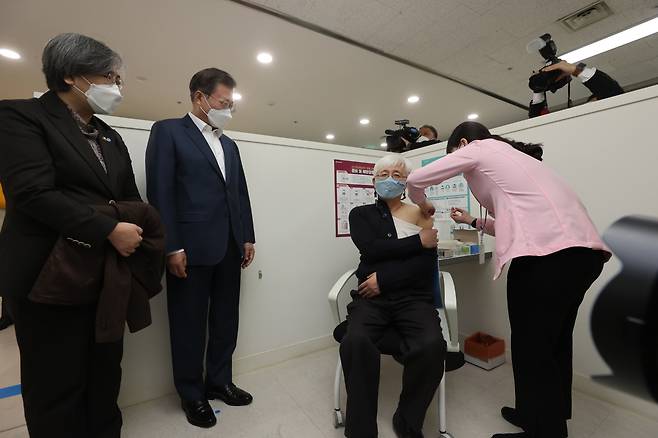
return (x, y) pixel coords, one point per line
(284, 310)
(608, 152)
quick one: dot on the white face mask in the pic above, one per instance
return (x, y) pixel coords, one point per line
(217, 118)
(104, 98)
(422, 138)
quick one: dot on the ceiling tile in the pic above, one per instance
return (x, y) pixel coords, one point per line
(482, 6)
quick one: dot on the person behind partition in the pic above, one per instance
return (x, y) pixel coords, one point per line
(396, 280)
(57, 159)
(601, 85)
(554, 251)
(428, 133)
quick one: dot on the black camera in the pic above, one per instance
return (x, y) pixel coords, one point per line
(394, 137)
(543, 81)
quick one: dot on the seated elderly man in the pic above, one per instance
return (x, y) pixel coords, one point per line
(396, 279)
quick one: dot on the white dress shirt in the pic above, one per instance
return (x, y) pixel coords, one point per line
(212, 138)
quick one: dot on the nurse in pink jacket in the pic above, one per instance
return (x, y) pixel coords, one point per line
(543, 229)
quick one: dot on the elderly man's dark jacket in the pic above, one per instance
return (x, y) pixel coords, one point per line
(405, 269)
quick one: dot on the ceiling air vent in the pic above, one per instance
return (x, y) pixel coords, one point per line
(586, 16)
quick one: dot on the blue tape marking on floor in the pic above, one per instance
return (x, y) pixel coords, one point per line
(10, 391)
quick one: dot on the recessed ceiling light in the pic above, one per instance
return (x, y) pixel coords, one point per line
(237, 96)
(330, 136)
(264, 58)
(472, 116)
(364, 121)
(8, 53)
(613, 41)
(413, 99)
(383, 144)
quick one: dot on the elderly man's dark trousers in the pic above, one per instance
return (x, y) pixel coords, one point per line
(423, 354)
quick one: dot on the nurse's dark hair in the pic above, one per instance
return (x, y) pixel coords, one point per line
(472, 131)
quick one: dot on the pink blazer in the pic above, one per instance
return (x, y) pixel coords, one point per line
(536, 213)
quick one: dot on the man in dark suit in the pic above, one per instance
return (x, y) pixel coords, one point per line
(57, 160)
(196, 180)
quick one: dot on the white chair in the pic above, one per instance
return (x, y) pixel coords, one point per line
(446, 306)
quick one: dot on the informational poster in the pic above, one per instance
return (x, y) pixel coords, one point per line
(453, 192)
(353, 185)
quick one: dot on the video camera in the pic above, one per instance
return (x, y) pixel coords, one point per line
(543, 81)
(394, 137)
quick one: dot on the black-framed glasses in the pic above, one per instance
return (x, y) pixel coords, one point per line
(116, 78)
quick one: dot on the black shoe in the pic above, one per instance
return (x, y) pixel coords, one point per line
(511, 435)
(402, 430)
(199, 413)
(511, 416)
(230, 394)
(5, 322)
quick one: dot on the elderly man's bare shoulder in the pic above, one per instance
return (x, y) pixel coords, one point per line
(419, 219)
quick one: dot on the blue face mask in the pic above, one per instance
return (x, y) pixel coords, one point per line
(389, 188)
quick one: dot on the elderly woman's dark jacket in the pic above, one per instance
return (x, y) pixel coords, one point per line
(51, 179)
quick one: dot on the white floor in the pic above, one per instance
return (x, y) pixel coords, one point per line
(294, 400)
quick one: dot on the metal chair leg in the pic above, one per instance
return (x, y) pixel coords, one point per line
(338, 414)
(442, 408)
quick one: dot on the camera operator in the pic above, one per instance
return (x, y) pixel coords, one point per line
(428, 136)
(427, 133)
(599, 83)
(407, 138)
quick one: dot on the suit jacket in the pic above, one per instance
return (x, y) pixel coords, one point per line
(601, 85)
(75, 274)
(51, 177)
(404, 267)
(200, 208)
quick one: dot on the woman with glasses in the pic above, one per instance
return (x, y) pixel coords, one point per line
(555, 255)
(396, 281)
(57, 159)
